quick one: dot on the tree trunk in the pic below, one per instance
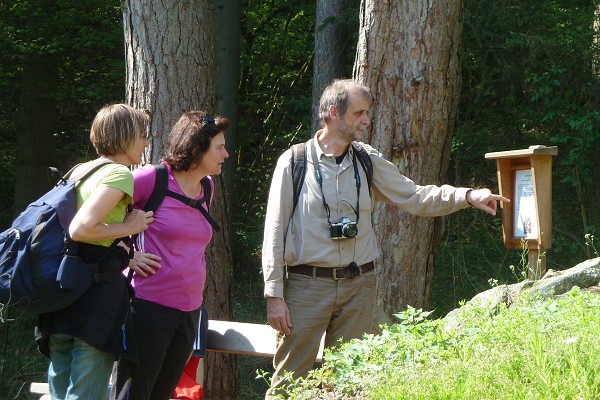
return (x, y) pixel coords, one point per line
(171, 68)
(408, 54)
(228, 13)
(35, 129)
(592, 192)
(327, 62)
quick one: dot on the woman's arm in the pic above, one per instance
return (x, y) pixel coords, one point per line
(88, 226)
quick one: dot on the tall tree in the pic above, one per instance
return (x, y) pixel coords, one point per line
(227, 45)
(408, 54)
(336, 32)
(328, 54)
(171, 68)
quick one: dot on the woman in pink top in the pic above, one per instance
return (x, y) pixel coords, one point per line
(169, 265)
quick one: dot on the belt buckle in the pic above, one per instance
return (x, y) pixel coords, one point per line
(336, 277)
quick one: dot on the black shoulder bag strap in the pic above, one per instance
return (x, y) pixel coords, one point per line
(161, 190)
(299, 161)
(71, 248)
(207, 190)
(197, 205)
(365, 162)
(298, 170)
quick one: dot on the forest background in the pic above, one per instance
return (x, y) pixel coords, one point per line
(529, 72)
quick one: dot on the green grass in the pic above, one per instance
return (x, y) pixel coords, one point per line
(20, 362)
(537, 349)
(250, 306)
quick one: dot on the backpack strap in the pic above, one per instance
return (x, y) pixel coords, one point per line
(86, 169)
(365, 161)
(72, 247)
(207, 190)
(298, 170)
(161, 190)
(299, 166)
(198, 206)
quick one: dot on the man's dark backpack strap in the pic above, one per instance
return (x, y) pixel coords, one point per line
(299, 166)
(161, 190)
(365, 161)
(298, 169)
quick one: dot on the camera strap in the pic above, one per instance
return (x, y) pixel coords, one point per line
(319, 177)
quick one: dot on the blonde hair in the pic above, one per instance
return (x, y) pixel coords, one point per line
(116, 127)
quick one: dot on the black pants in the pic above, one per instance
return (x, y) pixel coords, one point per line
(164, 337)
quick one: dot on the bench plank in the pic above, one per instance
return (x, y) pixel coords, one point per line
(241, 338)
(245, 338)
(39, 388)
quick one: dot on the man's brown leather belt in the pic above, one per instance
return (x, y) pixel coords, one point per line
(335, 273)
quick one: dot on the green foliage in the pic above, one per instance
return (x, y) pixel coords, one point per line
(249, 306)
(537, 349)
(470, 256)
(532, 62)
(274, 100)
(528, 78)
(589, 241)
(87, 39)
(275, 97)
(20, 362)
(274, 103)
(7, 176)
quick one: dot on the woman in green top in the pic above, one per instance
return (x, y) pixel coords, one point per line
(85, 338)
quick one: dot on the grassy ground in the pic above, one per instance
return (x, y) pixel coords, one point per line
(250, 306)
(20, 362)
(536, 349)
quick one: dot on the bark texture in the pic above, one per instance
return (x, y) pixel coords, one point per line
(228, 13)
(408, 54)
(327, 62)
(171, 68)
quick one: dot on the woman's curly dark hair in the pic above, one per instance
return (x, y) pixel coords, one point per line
(190, 138)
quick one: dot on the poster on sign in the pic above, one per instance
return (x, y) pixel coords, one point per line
(525, 222)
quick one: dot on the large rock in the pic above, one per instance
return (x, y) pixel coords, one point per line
(585, 275)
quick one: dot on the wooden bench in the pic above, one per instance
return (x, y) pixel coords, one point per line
(227, 337)
(244, 338)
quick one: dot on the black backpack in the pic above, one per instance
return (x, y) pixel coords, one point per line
(40, 270)
(299, 166)
(161, 190)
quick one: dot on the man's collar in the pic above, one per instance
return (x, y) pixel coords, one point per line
(323, 133)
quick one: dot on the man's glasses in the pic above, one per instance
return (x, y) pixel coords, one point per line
(207, 119)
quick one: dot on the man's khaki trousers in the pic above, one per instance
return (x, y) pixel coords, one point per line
(340, 308)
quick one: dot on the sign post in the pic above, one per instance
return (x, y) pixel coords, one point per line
(525, 177)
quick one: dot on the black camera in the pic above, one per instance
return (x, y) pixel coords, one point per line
(343, 229)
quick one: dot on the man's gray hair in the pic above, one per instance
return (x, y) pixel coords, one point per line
(338, 94)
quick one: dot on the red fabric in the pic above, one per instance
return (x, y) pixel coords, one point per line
(188, 388)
